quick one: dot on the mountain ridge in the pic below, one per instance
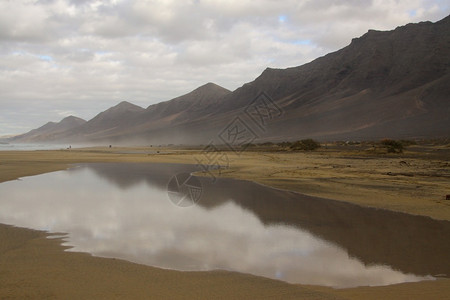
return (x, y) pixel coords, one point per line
(383, 84)
(49, 130)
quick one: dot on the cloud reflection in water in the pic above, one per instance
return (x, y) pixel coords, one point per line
(139, 223)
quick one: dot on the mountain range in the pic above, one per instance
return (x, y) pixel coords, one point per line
(385, 84)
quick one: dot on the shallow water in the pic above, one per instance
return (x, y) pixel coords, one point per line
(31, 147)
(123, 210)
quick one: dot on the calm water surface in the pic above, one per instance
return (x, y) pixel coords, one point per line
(30, 147)
(123, 211)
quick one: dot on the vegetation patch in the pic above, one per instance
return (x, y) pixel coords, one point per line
(305, 145)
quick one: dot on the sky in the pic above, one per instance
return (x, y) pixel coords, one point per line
(80, 57)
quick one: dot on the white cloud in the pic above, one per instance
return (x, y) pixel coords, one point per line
(85, 56)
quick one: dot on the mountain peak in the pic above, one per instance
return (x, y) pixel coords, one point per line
(73, 119)
(70, 122)
(50, 129)
(206, 92)
(126, 105)
(193, 102)
(113, 116)
(211, 87)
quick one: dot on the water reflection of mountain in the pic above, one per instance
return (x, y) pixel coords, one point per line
(411, 244)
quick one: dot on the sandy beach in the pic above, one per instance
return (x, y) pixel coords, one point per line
(33, 266)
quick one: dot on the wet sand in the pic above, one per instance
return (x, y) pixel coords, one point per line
(36, 267)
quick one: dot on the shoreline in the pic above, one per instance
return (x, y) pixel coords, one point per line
(26, 253)
(411, 183)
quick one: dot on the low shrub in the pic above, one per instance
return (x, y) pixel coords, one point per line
(284, 144)
(305, 145)
(392, 146)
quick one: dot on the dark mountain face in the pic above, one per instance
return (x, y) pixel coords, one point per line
(393, 83)
(384, 84)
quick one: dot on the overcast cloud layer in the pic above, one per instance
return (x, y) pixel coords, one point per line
(79, 57)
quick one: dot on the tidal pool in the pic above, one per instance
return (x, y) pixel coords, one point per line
(122, 210)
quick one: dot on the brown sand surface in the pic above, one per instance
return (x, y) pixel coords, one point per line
(437, 289)
(32, 266)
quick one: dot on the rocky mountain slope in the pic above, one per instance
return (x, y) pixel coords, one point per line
(50, 131)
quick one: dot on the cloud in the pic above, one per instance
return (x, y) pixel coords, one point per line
(85, 56)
